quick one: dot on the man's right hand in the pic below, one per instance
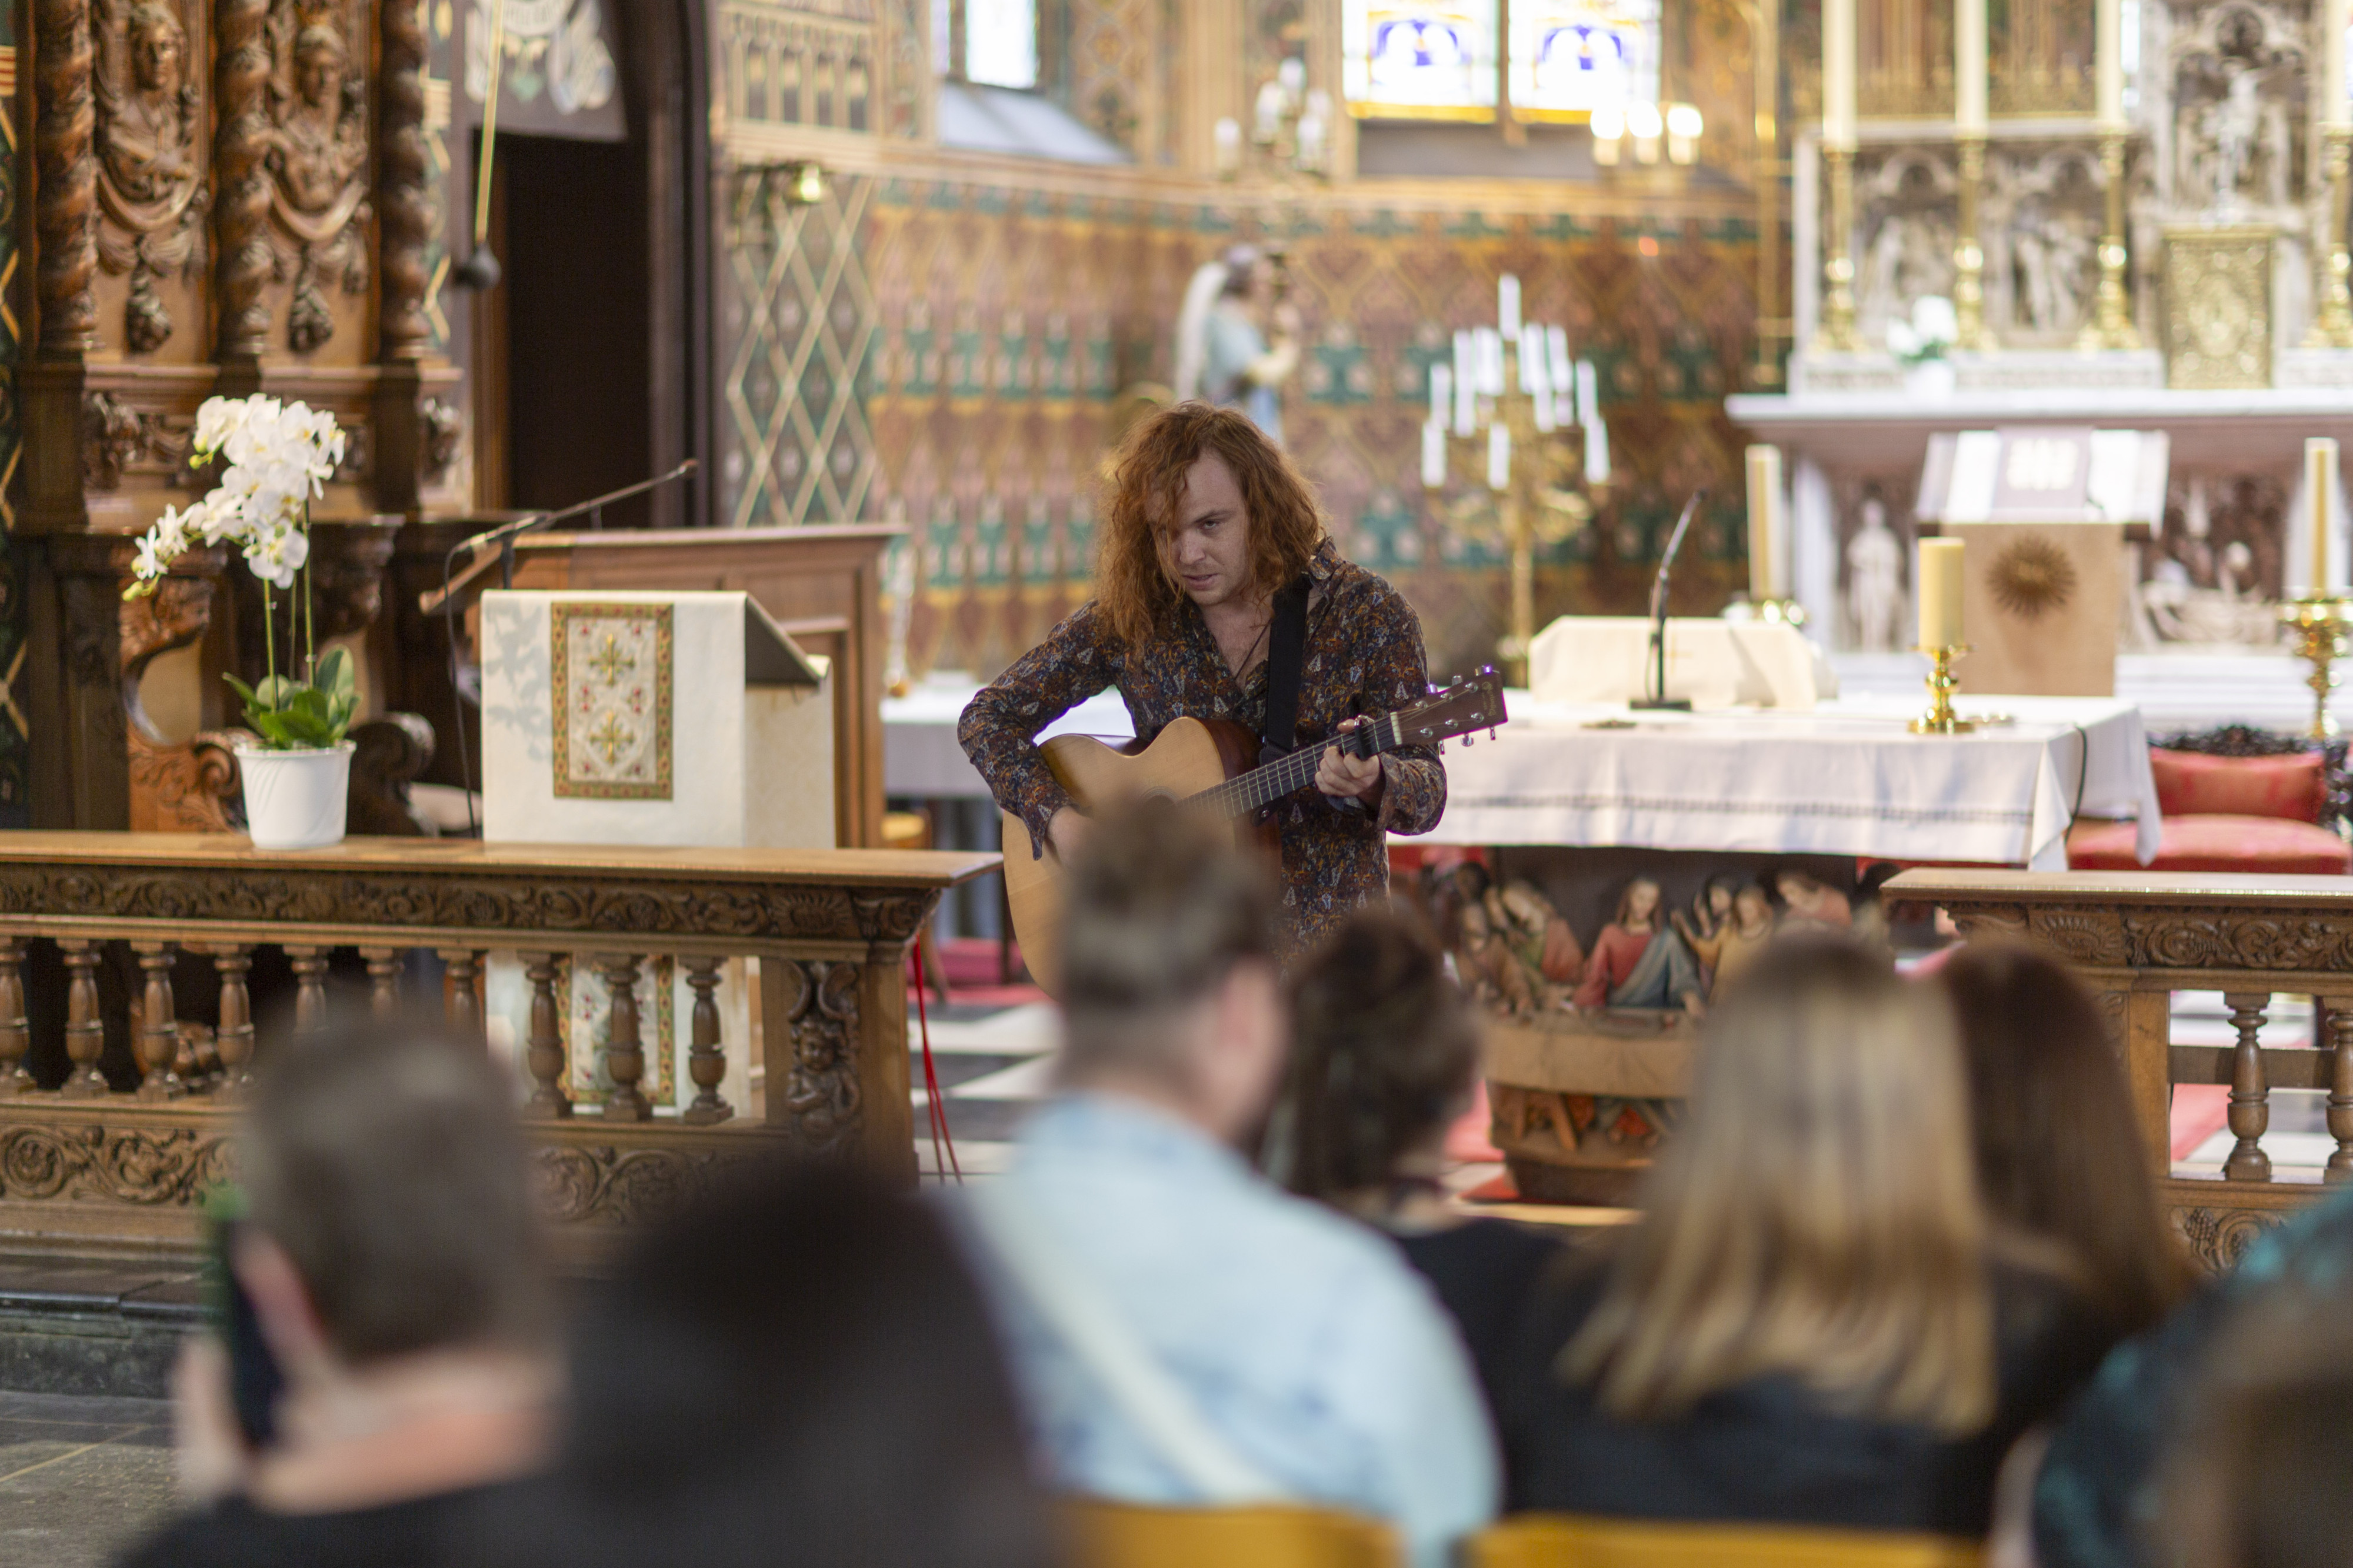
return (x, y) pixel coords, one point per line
(1066, 830)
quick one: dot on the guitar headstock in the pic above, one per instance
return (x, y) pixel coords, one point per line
(1474, 702)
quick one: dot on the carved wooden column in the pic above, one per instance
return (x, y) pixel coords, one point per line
(384, 981)
(241, 144)
(85, 1030)
(15, 1027)
(159, 1024)
(234, 1039)
(625, 1056)
(309, 965)
(65, 225)
(2250, 1110)
(543, 1045)
(706, 1061)
(406, 213)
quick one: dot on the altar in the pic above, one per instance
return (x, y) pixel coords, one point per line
(1847, 779)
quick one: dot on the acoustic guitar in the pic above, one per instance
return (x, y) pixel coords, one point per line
(1211, 764)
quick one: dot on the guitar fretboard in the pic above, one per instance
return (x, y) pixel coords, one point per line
(1265, 786)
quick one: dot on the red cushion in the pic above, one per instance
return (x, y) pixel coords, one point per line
(2214, 842)
(2191, 785)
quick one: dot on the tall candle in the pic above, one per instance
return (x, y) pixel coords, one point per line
(1588, 394)
(1499, 458)
(1938, 581)
(1535, 376)
(1596, 451)
(1564, 378)
(1507, 305)
(1466, 407)
(1441, 394)
(1969, 66)
(1764, 502)
(2319, 486)
(1837, 73)
(1466, 361)
(2108, 63)
(1491, 361)
(2335, 109)
(1433, 453)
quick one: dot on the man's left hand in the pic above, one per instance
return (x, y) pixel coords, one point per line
(1344, 777)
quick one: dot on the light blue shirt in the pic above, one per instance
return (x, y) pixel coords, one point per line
(1304, 1339)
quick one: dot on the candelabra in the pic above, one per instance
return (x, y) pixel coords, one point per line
(1513, 407)
(1291, 126)
(2332, 325)
(1968, 255)
(2111, 326)
(2319, 622)
(1837, 333)
(1941, 719)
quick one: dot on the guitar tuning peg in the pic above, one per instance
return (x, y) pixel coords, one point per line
(1491, 734)
(1467, 742)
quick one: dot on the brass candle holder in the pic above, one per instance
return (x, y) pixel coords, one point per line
(1940, 718)
(2319, 622)
(1782, 613)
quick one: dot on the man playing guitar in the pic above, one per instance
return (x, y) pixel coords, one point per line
(1210, 535)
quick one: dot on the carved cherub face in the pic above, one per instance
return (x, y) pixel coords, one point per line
(158, 49)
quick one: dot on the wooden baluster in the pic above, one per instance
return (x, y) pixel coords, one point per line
(159, 1028)
(384, 981)
(234, 1039)
(310, 988)
(465, 1003)
(2340, 1089)
(85, 1031)
(15, 1028)
(625, 1056)
(543, 1047)
(706, 1063)
(2251, 1095)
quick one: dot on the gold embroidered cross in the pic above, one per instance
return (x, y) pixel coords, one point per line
(611, 663)
(610, 737)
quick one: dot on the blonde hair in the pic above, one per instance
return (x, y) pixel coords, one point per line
(1816, 1216)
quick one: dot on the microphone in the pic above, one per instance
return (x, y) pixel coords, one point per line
(1655, 678)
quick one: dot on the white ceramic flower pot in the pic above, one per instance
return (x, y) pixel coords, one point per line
(295, 800)
(1931, 378)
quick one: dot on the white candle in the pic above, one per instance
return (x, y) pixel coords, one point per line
(1837, 73)
(1596, 451)
(1433, 454)
(1269, 112)
(1491, 361)
(1589, 394)
(1939, 584)
(1499, 458)
(2336, 111)
(1441, 394)
(1466, 405)
(1556, 353)
(1535, 376)
(1764, 502)
(1969, 66)
(2108, 64)
(1507, 305)
(1226, 134)
(2319, 487)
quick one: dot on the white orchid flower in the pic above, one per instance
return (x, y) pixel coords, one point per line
(1903, 338)
(218, 419)
(275, 555)
(154, 557)
(1935, 319)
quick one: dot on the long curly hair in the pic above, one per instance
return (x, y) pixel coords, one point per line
(1135, 591)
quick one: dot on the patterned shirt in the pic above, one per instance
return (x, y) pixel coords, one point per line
(1363, 657)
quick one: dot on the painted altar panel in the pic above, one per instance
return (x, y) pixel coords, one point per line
(1904, 58)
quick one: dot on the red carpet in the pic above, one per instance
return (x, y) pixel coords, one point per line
(2200, 1111)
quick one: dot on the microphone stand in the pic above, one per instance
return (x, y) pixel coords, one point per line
(1655, 678)
(506, 534)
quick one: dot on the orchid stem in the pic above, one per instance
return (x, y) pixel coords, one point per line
(268, 635)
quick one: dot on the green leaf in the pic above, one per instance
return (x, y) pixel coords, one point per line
(244, 693)
(308, 702)
(277, 692)
(273, 727)
(335, 673)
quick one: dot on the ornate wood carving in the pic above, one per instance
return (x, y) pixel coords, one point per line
(2216, 1234)
(823, 1091)
(141, 1165)
(65, 215)
(114, 435)
(445, 429)
(318, 157)
(2191, 938)
(149, 184)
(401, 182)
(388, 754)
(595, 1185)
(241, 178)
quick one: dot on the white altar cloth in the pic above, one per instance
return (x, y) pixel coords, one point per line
(1847, 778)
(920, 756)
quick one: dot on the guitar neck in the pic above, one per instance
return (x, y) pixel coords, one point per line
(1262, 786)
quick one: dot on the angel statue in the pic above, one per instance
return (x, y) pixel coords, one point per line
(1224, 352)
(318, 158)
(148, 188)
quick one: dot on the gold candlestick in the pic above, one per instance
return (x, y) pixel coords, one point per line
(1781, 612)
(2111, 326)
(2319, 622)
(1940, 718)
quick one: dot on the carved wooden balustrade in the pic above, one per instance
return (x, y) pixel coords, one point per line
(83, 1161)
(2137, 938)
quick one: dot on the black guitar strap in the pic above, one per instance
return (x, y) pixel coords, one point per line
(1286, 649)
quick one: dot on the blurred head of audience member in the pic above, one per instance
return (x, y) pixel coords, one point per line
(1384, 1061)
(393, 1264)
(1385, 1052)
(797, 1371)
(2059, 1159)
(1815, 1216)
(2258, 1473)
(1813, 1322)
(1169, 989)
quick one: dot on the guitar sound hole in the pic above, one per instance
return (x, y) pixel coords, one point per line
(1165, 794)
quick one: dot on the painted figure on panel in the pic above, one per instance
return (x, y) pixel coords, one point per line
(1637, 961)
(150, 192)
(318, 157)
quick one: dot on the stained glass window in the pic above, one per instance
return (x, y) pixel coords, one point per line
(1425, 61)
(999, 39)
(1569, 58)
